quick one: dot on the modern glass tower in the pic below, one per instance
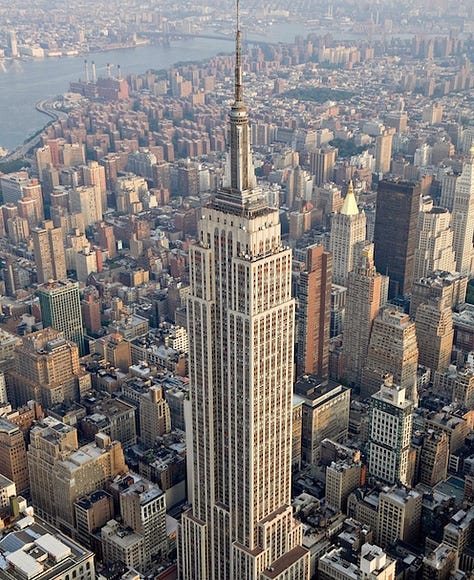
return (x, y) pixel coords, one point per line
(61, 309)
(241, 334)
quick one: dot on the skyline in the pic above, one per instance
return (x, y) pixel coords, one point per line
(233, 341)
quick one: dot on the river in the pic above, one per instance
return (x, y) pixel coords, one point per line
(24, 83)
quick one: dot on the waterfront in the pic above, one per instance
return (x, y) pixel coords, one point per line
(24, 83)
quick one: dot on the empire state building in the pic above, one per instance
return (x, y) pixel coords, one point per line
(241, 326)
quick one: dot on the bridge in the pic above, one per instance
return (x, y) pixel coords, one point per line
(167, 36)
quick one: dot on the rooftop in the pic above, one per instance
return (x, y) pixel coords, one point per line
(34, 549)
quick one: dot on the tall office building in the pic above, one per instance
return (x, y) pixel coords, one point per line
(448, 189)
(322, 164)
(393, 349)
(94, 175)
(143, 508)
(348, 232)
(383, 152)
(434, 247)
(61, 309)
(463, 217)
(314, 313)
(364, 296)
(241, 328)
(396, 218)
(434, 455)
(87, 200)
(399, 515)
(107, 239)
(435, 335)
(49, 252)
(342, 477)
(154, 413)
(61, 472)
(391, 417)
(47, 370)
(445, 288)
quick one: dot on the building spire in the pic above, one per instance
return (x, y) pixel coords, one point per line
(349, 207)
(238, 59)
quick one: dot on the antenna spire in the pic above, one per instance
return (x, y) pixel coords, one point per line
(238, 60)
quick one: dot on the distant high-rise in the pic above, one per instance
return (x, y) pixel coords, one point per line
(383, 152)
(393, 350)
(463, 217)
(391, 418)
(47, 370)
(49, 253)
(348, 232)
(396, 218)
(61, 309)
(107, 239)
(364, 296)
(87, 200)
(12, 43)
(314, 313)
(94, 175)
(241, 336)
(322, 165)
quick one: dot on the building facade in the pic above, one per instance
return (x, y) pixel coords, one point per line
(314, 313)
(61, 309)
(348, 233)
(396, 219)
(364, 295)
(241, 332)
(391, 417)
(393, 349)
(463, 216)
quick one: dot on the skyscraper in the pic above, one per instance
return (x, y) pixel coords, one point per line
(61, 309)
(364, 294)
(463, 216)
(435, 334)
(398, 204)
(348, 232)
(240, 326)
(322, 165)
(47, 369)
(434, 248)
(49, 253)
(383, 152)
(393, 349)
(314, 313)
(390, 433)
